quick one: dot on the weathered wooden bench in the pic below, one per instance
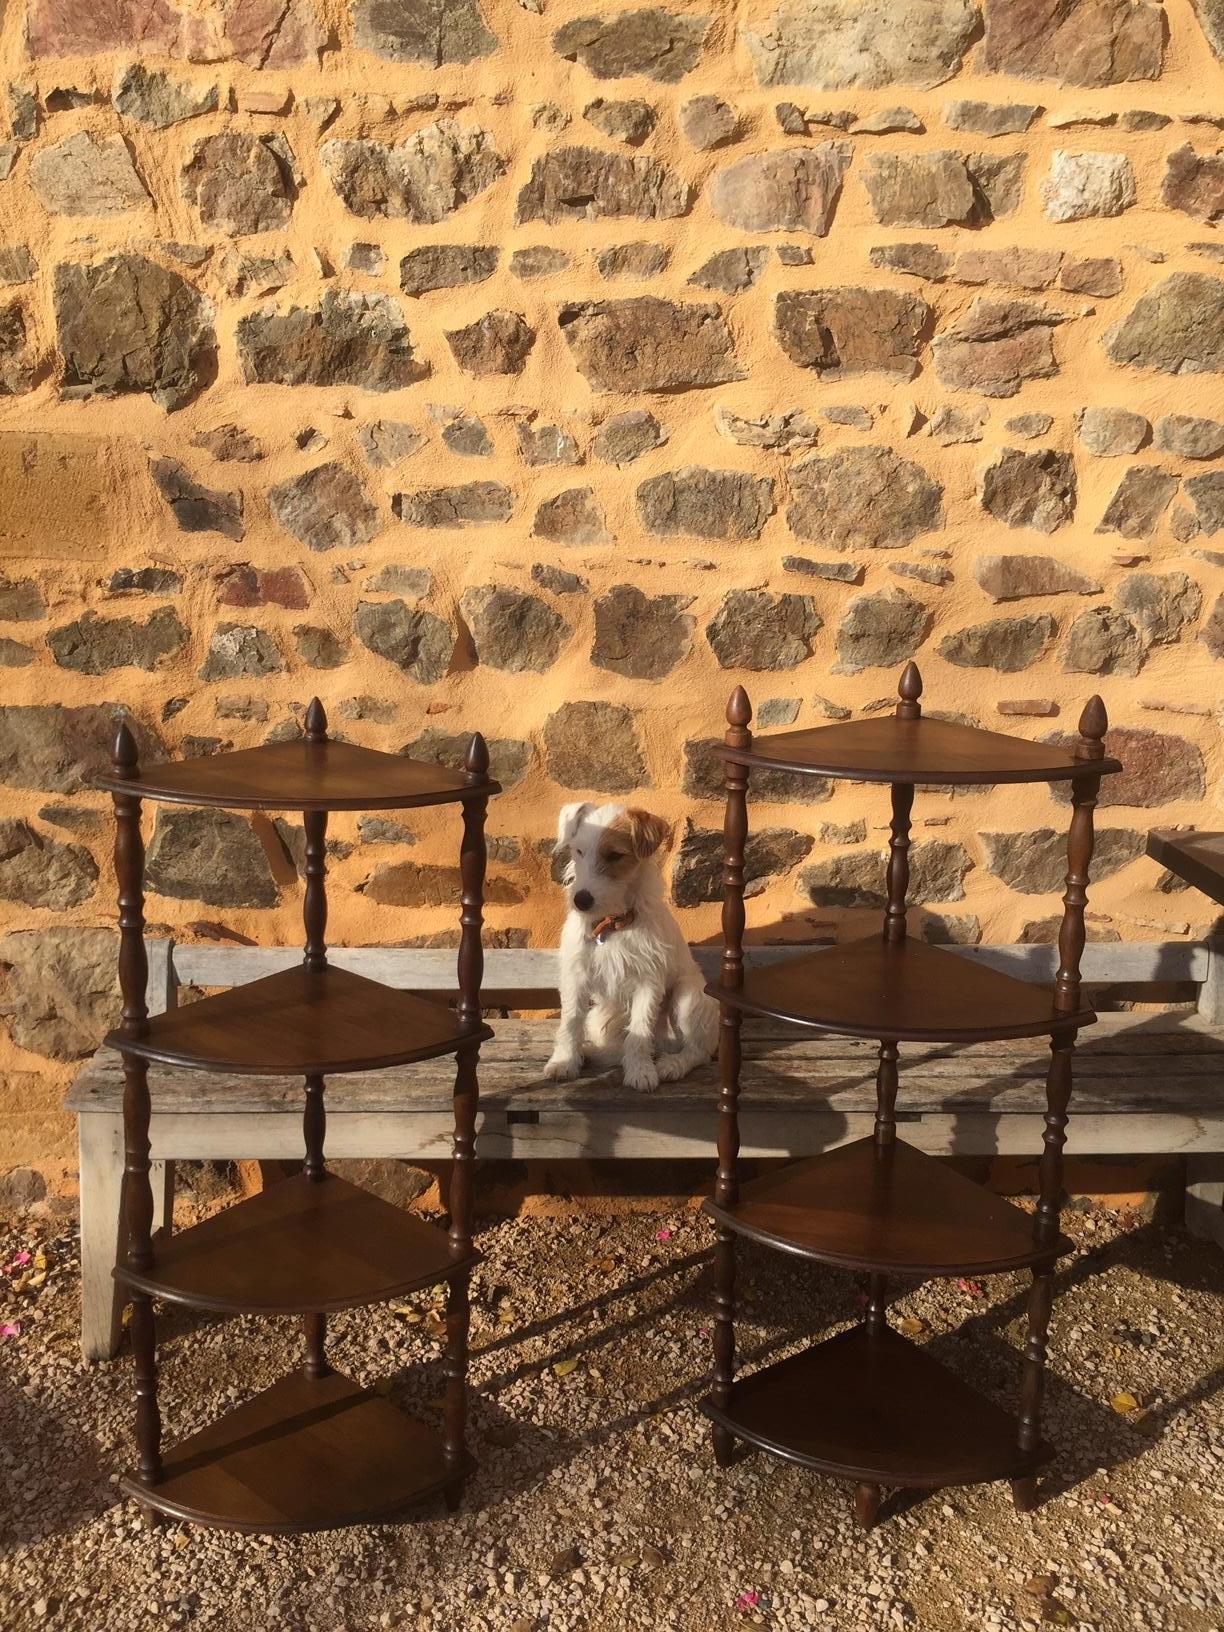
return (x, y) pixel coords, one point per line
(1146, 1083)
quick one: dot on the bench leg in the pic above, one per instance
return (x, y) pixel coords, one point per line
(100, 1147)
(100, 1143)
(1205, 1197)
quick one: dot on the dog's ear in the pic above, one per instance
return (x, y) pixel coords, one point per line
(570, 819)
(648, 833)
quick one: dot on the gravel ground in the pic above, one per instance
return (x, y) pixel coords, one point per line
(597, 1504)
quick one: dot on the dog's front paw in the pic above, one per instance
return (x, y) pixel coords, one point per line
(672, 1067)
(563, 1067)
(640, 1074)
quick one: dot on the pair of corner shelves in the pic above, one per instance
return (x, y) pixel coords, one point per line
(868, 1404)
(314, 1450)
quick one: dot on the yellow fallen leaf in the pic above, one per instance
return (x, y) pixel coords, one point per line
(911, 1326)
(563, 1367)
(1124, 1403)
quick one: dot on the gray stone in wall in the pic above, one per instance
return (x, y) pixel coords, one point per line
(239, 651)
(1035, 862)
(417, 642)
(648, 344)
(662, 45)
(731, 270)
(595, 747)
(880, 630)
(915, 260)
(626, 437)
(127, 324)
(446, 266)
(1005, 644)
(990, 118)
(94, 645)
(17, 367)
(630, 121)
(1141, 498)
(769, 853)
(195, 508)
(856, 879)
(1105, 43)
(511, 631)
(792, 431)
(59, 750)
(241, 183)
(1190, 437)
(61, 989)
(38, 871)
(423, 179)
(707, 122)
(84, 176)
(794, 189)
(153, 98)
(590, 184)
(349, 338)
(703, 779)
(848, 331)
(326, 508)
(641, 636)
(508, 756)
(834, 44)
(1103, 641)
(1206, 493)
(700, 503)
(1017, 577)
(1177, 327)
(755, 630)
(1162, 604)
(863, 497)
(469, 504)
(571, 517)
(1030, 489)
(1109, 432)
(212, 856)
(1082, 185)
(433, 32)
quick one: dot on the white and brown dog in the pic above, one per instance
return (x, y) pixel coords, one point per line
(629, 984)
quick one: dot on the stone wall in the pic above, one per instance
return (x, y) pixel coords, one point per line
(548, 369)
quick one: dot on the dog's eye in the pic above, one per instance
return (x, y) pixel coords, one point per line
(615, 855)
(579, 854)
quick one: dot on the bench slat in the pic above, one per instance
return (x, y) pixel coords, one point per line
(1115, 1074)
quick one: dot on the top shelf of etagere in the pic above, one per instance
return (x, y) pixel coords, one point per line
(911, 747)
(311, 773)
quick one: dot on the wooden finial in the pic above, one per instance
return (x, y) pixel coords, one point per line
(125, 756)
(739, 709)
(476, 760)
(739, 714)
(316, 722)
(1093, 724)
(909, 690)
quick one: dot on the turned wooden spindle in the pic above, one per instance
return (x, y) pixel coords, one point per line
(898, 871)
(473, 861)
(726, 1182)
(1090, 750)
(137, 1190)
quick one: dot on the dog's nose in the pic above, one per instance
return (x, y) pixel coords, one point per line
(583, 900)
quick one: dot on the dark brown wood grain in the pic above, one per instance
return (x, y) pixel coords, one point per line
(1196, 857)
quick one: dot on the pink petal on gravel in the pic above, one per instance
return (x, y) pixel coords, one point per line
(10, 1328)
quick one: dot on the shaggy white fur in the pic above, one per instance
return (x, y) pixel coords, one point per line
(630, 987)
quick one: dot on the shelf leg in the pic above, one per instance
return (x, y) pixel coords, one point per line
(1041, 1292)
(314, 1127)
(143, 1333)
(867, 1499)
(314, 1362)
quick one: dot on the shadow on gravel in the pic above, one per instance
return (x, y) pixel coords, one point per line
(34, 1442)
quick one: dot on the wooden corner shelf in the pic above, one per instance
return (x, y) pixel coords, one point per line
(893, 1208)
(306, 1454)
(302, 1022)
(299, 1246)
(876, 1408)
(314, 1451)
(925, 993)
(867, 1404)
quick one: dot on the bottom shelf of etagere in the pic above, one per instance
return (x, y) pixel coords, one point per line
(876, 1408)
(306, 1454)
